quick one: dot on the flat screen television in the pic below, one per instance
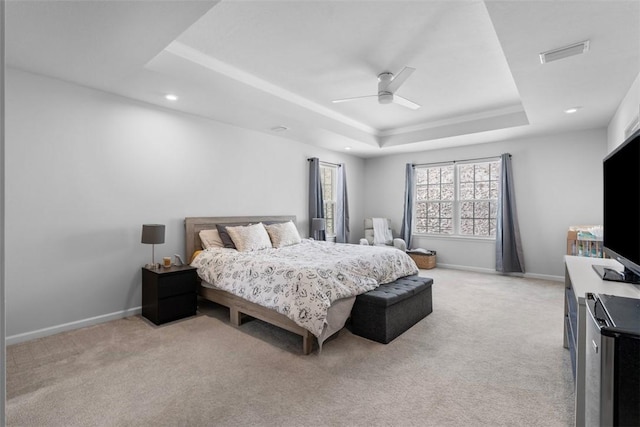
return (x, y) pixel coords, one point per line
(621, 238)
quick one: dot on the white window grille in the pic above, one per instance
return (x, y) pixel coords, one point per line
(328, 179)
(457, 198)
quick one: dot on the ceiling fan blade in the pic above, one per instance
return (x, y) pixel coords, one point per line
(400, 78)
(405, 102)
(337, 101)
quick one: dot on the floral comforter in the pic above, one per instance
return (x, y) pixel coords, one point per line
(301, 281)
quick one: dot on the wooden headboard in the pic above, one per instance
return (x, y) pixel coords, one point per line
(193, 226)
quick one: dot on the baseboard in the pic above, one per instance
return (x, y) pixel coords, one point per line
(467, 268)
(490, 271)
(544, 277)
(40, 333)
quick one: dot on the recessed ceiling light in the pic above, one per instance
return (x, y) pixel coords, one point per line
(279, 128)
(347, 148)
(572, 110)
(171, 97)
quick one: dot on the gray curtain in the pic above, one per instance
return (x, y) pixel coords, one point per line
(407, 219)
(316, 210)
(342, 208)
(509, 256)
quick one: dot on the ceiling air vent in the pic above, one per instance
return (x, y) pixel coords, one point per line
(564, 52)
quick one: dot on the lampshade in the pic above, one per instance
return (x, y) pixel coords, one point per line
(317, 224)
(153, 233)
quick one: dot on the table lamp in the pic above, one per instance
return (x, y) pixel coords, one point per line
(152, 234)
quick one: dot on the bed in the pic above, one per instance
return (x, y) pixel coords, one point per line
(230, 278)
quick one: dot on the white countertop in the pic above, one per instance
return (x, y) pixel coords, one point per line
(585, 279)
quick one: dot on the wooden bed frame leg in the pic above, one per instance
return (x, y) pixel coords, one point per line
(307, 343)
(235, 317)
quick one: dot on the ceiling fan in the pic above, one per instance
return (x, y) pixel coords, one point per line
(388, 84)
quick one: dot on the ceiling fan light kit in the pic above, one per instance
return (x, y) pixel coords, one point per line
(388, 84)
(385, 97)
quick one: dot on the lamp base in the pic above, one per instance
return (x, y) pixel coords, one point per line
(152, 266)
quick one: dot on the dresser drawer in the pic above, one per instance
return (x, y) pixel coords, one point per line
(176, 307)
(177, 284)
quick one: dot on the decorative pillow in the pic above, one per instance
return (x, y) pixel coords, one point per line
(210, 239)
(195, 254)
(249, 237)
(224, 235)
(283, 234)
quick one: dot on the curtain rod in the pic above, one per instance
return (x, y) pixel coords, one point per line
(458, 161)
(326, 163)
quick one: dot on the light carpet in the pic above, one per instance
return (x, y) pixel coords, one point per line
(490, 354)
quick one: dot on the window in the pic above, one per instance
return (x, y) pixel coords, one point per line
(328, 176)
(457, 199)
(435, 197)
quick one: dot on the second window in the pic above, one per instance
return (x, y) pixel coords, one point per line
(457, 198)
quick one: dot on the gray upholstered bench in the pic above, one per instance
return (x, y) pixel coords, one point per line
(387, 311)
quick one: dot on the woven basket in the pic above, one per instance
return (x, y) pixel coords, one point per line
(424, 261)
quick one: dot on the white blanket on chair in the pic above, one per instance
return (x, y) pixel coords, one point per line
(381, 232)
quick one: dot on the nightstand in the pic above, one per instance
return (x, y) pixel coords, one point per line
(169, 293)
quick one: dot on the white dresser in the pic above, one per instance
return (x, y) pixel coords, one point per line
(580, 278)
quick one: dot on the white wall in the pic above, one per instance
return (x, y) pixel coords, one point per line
(628, 112)
(85, 169)
(558, 183)
(3, 382)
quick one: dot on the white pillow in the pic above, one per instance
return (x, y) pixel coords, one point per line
(210, 239)
(283, 234)
(249, 237)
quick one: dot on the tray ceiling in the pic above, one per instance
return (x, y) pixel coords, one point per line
(263, 64)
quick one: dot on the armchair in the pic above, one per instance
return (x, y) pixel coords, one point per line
(388, 241)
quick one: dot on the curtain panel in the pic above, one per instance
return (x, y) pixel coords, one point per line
(316, 209)
(342, 207)
(509, 255)
(407, 218)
